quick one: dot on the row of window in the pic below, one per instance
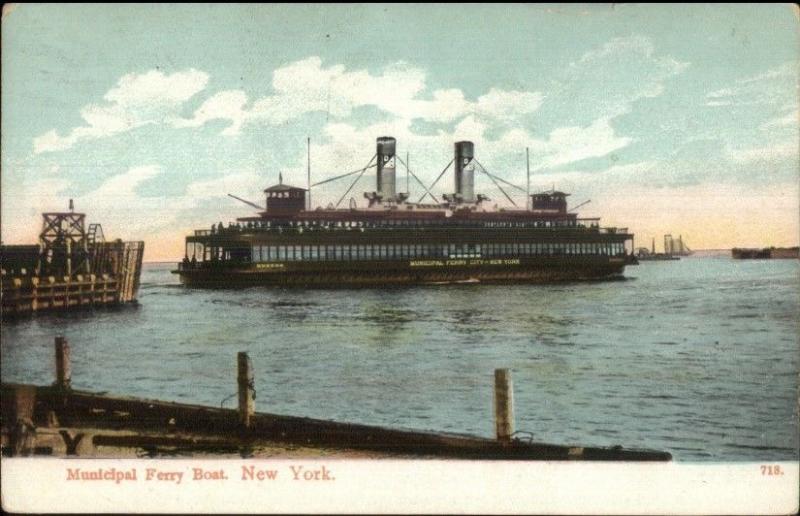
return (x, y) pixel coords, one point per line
(323, 224)
(396, 251)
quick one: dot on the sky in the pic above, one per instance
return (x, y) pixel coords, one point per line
(679, 119)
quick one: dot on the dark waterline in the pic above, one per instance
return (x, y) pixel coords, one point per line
(697, 357)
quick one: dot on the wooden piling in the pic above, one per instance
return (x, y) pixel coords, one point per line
(503, 404)
(246, 390)
(23, 433)
(63, 366)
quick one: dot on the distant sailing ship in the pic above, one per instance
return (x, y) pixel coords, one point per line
(673, 250)
(676, 247)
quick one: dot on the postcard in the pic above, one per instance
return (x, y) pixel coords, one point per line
(400, 258)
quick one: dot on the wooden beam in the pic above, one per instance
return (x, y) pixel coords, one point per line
(246, 390)
(503, 405)
(63, 365)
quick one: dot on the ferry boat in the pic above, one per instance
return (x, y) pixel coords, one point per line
(391, 241)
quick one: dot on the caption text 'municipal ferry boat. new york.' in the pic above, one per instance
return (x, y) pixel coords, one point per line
(393, 241)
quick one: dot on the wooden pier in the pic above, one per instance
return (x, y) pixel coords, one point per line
(70, 267)
(159, 427)
(26, 295)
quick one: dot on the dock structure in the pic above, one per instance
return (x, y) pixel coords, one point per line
(72, 266)
(98, 421)
(766, 253)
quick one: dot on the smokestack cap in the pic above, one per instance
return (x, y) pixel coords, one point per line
(386, 145)
(465, 149)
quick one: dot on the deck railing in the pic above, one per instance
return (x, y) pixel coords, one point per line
(299, 229)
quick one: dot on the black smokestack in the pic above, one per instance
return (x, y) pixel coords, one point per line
(465, 171)
(386, 167)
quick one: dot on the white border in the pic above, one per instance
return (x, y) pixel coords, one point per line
(398, 486)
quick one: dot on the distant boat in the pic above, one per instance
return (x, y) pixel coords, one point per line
(767, 253)
(673, 250)
(675, 247)
(648, 256)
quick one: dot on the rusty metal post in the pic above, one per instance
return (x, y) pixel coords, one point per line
(63, 366)
(503, 404)
(246, 389)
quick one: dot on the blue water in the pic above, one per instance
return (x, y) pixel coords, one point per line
(697, 357)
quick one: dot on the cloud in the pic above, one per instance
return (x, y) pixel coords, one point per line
(767, 153)
(225, 105)
(117, 200)
(242, 183)
(606, 81)
(503, 104)
(571, 144)
(562, 146)
(307, 85)
(776, 86)
(22, 211)
(136, 100)
(116, 203)
(790, 119)
(398, 90)
(121, 187)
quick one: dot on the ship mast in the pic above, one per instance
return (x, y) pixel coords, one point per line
(408, 160)
(528, 186)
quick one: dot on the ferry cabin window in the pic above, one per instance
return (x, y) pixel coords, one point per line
(402, 251)
(464, 251)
